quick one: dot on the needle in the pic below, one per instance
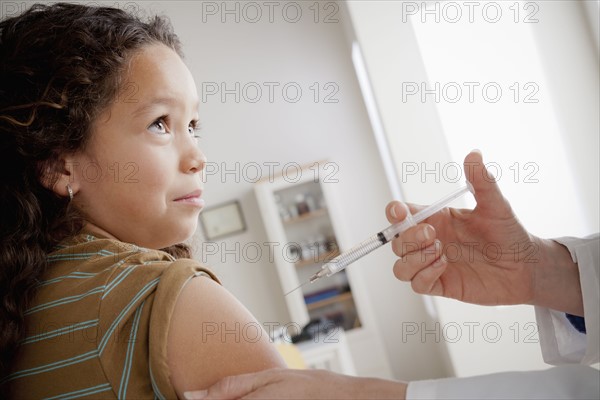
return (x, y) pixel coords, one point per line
(340, 262)
(293, 290)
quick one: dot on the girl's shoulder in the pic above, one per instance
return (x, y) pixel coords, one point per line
(89, 253)
(89, 262)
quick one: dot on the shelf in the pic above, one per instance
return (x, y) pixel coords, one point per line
(316, 233)
(331, 300)
(306, 216)
(322, 257)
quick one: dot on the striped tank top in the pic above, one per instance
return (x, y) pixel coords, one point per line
(97, 327)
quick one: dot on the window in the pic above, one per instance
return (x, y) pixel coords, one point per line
(488, 84)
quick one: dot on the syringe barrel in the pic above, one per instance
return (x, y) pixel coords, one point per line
(343, 260)
(425, 213)
(397, 228)
(348, 257)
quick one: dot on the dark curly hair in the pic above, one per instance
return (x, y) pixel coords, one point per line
(60, 67)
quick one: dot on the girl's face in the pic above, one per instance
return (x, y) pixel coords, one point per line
(138, 179)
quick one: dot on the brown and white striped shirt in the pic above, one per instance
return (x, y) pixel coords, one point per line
(97, 327)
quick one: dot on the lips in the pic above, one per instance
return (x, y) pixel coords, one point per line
(192, 198)
(194, 194)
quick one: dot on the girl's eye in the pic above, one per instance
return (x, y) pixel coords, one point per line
(194, 129)
(159, 126)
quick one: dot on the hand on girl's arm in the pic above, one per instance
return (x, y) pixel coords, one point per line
(300, 384)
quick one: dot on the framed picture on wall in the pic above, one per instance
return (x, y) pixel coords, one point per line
(222, 220)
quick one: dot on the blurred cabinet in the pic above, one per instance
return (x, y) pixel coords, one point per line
(297, 218)
(302, 221)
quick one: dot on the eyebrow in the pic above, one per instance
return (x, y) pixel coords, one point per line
(159, 101)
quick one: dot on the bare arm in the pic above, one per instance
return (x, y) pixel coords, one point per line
(212, 335)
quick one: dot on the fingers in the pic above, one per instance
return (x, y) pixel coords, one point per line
(423, 268)
(413, 246)
(233, 387)
(195, 395)
(421, 260)
(396, 211)
(427, 280)
(413, 239)
(487, 193)
(416, 260)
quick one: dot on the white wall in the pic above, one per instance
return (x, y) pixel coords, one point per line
(392, 57)
(570, 61)
(591, 8)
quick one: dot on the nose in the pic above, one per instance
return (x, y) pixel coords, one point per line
(193, 160)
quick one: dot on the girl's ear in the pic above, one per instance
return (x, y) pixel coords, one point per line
(56, 176)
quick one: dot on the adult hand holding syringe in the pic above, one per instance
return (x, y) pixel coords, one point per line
(340, 262)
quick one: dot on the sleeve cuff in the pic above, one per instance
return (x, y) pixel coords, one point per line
(565, 382)
(167, 293)
(577, 322)
(586, 253)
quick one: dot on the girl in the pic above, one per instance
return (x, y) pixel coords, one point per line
(100, 169)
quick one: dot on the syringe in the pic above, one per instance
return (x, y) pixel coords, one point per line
(340, 262)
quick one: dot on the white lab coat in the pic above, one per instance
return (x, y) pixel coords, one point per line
(561, 344)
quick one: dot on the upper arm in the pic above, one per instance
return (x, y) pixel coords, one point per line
(212, 335)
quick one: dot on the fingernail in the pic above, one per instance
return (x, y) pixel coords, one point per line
(425, 234)
(195, 395)
(439, 262)
(395, 211)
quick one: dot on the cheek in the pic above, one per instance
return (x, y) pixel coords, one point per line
(151, 175)
(132, 178)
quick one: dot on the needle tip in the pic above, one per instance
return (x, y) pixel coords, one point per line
(293, 290)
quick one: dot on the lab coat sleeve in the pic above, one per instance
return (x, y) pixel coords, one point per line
(563, 382)
(561, 343)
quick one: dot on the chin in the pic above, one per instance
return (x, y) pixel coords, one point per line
(173, 233)
(186, 233)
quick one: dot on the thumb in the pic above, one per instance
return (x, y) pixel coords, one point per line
(195, 395)
(487, 192)
(225, 389)
(232, 387)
